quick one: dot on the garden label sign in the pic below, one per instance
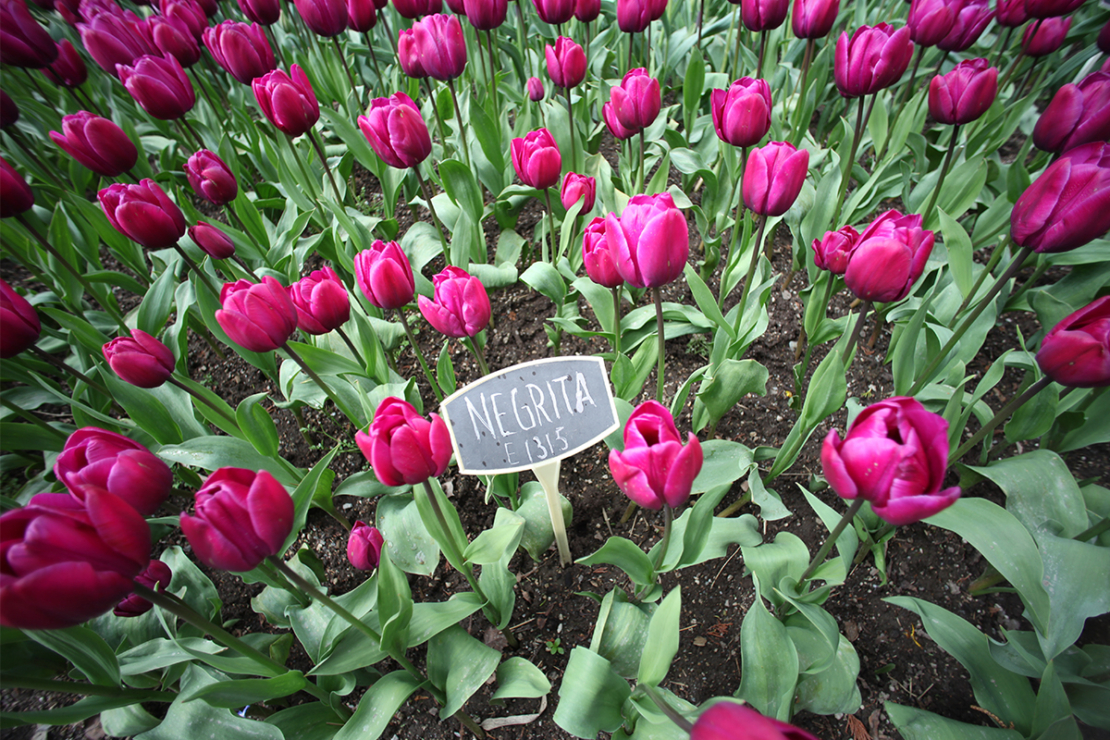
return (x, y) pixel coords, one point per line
(529, 417)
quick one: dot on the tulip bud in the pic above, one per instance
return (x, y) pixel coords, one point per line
(1051, 8)
(242, 517)
(597, 257)
(536, 159)
(729, 720)
(1078, 114)
(1076, 353)
(364, 546)
(402, 446)
(486, 15)
(970, 18)
(1041, 39)
(384, 275)
(259, 317)
(1068, 205)
(140, 359)
(243, 50)
(650, 242)
(396, 131)
(763, 15)
(362, 16)
(813, 19)
(832, 251)
(742, 113)
(894, 456)
(614, 125)
(96, 143)
(773, 177)
(172, 37)
(156, 577)
(888, 258)
(210, 178)
(587, 10)
(578, 187)
(188, 12)
(633, 16)
(874, 58)
(535, 89)
(413, 9)
(15, 194)
(636, 101)
(566, 62)
(655, 468)
(554, 12)
(460, 306)
(930, 21)
(262, 12)
(19, 322)
(143, 213)
(9, 111)
(23, 41)
(64, 563)
(288, 102)
(95, 459)
(159, 85)
(113, 40)
(69, 68)
(439, 42)
(212, 241)
(1010, 13)
(322, 302)
(325, 18)
(964, 94)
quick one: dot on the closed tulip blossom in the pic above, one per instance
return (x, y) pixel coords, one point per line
(188, 12)
(889, 257)
(813, 19)
(242, 50)
(742, 113)
(140, 359)
(1010, 13)
(160, 86)
(650, 242)
(156, 577)
(96, 143)
(15, 194)
(384, 275)
(69, 68)
(63, 562)
(325, 18)
(1051, 8)
(240, 518)
(872, 59)
(634, 16)
(322, 302)
(1076, 353)
(965, 93)
(96, 459)
(536, 159)
(408, 54)
(773, 177)
(763, 15)
(262, 12)
(578, 187)
(596, 256)
(460, 306)
(566, 63)
(655, 468)
(172, 37)
(616, 128)
(930, 21)
(729, 720)
(402, 446)
(23, 40)
(287, 100)
(1041, 39)
(1068, 205)
(970, 19)
(832, 251)
(1078, 114)
(19, 322)
(143, 213)
(587, 10)
(441, 46)
(211, 178)
(458, 7)
(535, 89)
(396, 131)
(259, 317)
(486, 15)
(364, 546)
(362, 16)
(9, 111)
(413, 9)
(212, 241)
(636, 101)
(554, 12)
(112, 40)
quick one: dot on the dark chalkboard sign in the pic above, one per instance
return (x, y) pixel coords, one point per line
(530, 414)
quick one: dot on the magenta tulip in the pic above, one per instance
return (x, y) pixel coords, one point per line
(614, 125)
(587, 10)
(242, 50)
(322, 302)
(554, 12)
(69, 68)
(96, 143)
(287, 101)
(485, 15)
(362, 16)
(893, 456)
(63, 562)
(396, 131)
(458, 7)
(439, 41)
(241, 518)
(763, 15)
(259, 317)
(325, 18)
(159, 85)
(536, 159)
(172, 37)
(965, 93)
(460, 307)
(364, 546)
(535, 89)
(813, 19)
(23, 40)
(409, 53)
(874, 58)
(889, 257)
(597, 257)
(1051, 8)
(211, 178)
(742, 113)
(1010, 13)
(115, 39)
(650, 242)
(566, 62)
(262, 12)
(970, 19)
(19, 322)
(634, 16)
(140, 359)
(773, 177)
(9, 111)
(655, 468)
(1076, 353)
(384, 275)
(930, 21)
(188, 12)
(213, 242)
(402, 446)
(578, 187)
(636, 101)
(1078, 114)
(1068, 205)
(729, 720)
(95, 459)
(143, 213)
(15, 194)
(1041, 39)
(156, 577)
(413, 9)
(832, 251)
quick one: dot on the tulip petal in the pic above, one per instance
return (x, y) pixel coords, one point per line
(681, 477)
(633, 482)
(664, 247)
(872, 464)
(915, 508)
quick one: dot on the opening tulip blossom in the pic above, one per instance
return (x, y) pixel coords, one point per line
(730, 720)
(241, 49)
(259, 317)
(566, 65)
(160, 86)
(19, 322)
(94, 458)
(1078, 114)
(460, 308)
(538, 164)
(402, 446)
(636, 103)
(1076, 353)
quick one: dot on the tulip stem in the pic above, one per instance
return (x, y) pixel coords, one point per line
(799, 131)
(701, 17)
(1094, 531)
(737, 226)
(550, 230)
(191, 133)
(995, 257)
(196, 269)
(640, 181)
(473, 347)
(849, 515)
(347, 69)
(851, 162)
(1002, 415)
(324, 161)
(204, 91)
(668, 516)
(906, 91)
(938, 358)
(492, 69)
(952, 142)
(662, 354)
(320, 382)
(34, 420)
(435, 217)
(439, 119)
(419, 355)
(1004, 46)
(459, 118)
(273, 43)
(293, 589)
(47, 357)
(351, 346)
(616, 322)
(570, 123)
(243, 227)
(664, 707)
(247, 269)
(756, 251)
(309, 180)
(736, 24)
(91, 103)
(521, 33)
(856, 328)
(223, 413)
(373, 58)
(388, 32)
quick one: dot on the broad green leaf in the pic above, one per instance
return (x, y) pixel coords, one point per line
(769, 662)
(662, 640)
(729, 383)
(459, 665)
(786, 557)
(1070, 569)
(960, 252)
(1040, 492)
(519, 678)
(497, 541)
(378, 705)
(314, 721)
(627, 556)
(195, 719)
(394, 606)
(917, 724)
(411, 547)
(591, 696)
(257, 425)
(211, 453)
(236, 694)
(85, 649)
(546, 280)
(833, 690)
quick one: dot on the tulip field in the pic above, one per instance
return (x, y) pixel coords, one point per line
(632, 369)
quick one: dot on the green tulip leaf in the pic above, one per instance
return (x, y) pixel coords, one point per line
(378, 705)
(769, 662)
(459, 665)
(519, 678)
(591, 696)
